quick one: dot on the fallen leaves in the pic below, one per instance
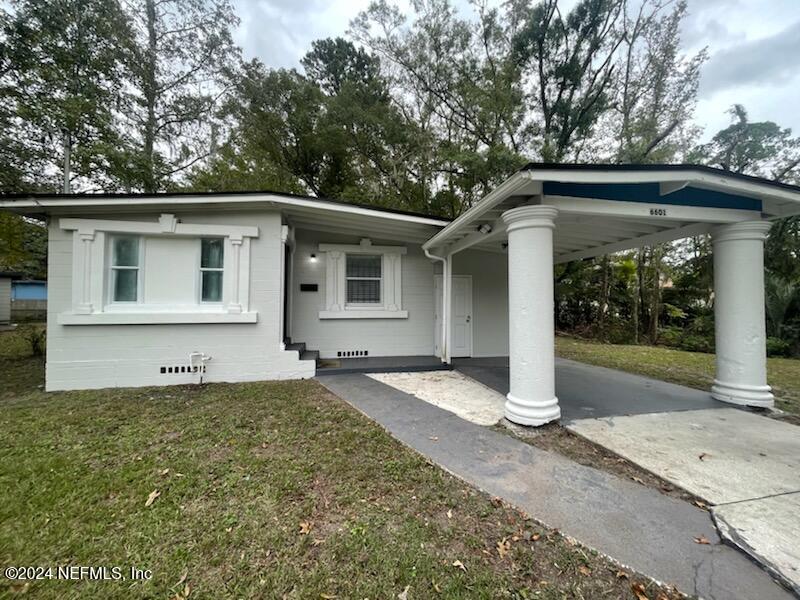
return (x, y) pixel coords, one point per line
(164, 472)
(503, 547)
(622, 575)
(305, 527)
(701, 539)
(449, 514)
(404, 594)
(700, 504)
(459, 565)
(184, 593)
(638, 480)
(639, 591)
(584, 570)
(152, 498)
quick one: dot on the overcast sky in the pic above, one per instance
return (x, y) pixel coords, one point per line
(754, 47)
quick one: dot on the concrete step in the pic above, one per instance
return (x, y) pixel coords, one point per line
(298, 347)
(310, 355)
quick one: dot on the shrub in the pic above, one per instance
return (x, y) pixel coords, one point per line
(778, 347)
(35, 336)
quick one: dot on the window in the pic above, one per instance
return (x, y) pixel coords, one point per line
(363, 281)
(212, 252)
(363, 275)
(125, 269)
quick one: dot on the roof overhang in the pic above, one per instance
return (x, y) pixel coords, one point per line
(610, 208)
(300, 211)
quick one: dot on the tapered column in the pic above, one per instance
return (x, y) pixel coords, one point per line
(532, 396)
(740, 324)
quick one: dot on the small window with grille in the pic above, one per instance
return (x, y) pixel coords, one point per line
(363, 276)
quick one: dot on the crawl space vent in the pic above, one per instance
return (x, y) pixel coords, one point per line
(182, 369)
(351, 353)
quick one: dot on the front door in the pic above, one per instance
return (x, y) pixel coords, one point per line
(461, 316)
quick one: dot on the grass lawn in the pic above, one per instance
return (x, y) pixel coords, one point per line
(692, 369)
(274, 489)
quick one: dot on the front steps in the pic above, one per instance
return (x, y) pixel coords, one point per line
(302, 351)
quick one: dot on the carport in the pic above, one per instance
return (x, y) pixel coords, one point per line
(549, 214)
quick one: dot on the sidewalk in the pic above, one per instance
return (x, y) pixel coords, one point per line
(637, 526)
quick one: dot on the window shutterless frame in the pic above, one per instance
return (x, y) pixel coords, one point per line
(125, 269)
(212, 269)
(364, 280)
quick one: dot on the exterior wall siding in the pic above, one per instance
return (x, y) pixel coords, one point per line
(99, 356)
(489, 272)
(412, 336)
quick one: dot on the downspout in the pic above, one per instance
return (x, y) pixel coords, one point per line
(445, 260)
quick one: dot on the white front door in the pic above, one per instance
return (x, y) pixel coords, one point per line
(461, 324)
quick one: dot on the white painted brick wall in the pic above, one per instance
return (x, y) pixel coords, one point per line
(381, 337)
(99, 356)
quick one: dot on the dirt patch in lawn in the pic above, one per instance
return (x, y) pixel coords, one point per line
(555, 438)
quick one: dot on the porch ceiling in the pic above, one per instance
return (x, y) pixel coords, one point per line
(365, 225)
(610, 208)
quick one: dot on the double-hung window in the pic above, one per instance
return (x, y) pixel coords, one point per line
(363, 275)
(125, 268)
(212, 257)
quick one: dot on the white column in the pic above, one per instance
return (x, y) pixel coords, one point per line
(235, 304)
(532, 396)
(739, 319)
(85, 305)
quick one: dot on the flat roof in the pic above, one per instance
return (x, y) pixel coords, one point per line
(536, 166)
(66, 198)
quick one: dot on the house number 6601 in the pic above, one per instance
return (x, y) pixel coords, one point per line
(658, 212)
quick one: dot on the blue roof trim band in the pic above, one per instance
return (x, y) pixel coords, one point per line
(650, 193)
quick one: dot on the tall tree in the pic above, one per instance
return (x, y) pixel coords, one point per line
(654, 100)
(61, 80)
(182, 53)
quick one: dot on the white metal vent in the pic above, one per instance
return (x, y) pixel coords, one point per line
(351, 353)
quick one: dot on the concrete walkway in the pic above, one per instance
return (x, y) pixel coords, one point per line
(746, 465)
(585, 391)
(637, 526)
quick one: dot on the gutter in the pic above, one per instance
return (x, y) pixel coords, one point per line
(446, 269)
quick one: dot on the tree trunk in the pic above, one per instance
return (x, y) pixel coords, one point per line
(67, 161)
(641, 288)
(601, 318)
(150, 91)
(655, 298)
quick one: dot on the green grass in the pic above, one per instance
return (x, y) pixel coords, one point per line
(239, 469)
(692, 369)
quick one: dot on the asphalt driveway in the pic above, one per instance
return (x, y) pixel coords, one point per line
(585, 391)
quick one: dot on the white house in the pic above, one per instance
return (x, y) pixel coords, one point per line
(175, 288)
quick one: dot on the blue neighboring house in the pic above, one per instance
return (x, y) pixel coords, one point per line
(28, 290)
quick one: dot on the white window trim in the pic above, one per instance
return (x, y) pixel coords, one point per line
(336, 282)
(201, 269)
(116, 304)
(91, 273)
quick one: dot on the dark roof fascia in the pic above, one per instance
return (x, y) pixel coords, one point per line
(534, 166)
(118, 195)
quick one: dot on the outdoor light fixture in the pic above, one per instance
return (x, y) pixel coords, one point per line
(485, 228)
(313, 258)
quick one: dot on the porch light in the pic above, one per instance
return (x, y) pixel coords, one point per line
(485, 228)
(313, 258)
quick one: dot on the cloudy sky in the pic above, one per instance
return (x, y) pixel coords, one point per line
(754, 47)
